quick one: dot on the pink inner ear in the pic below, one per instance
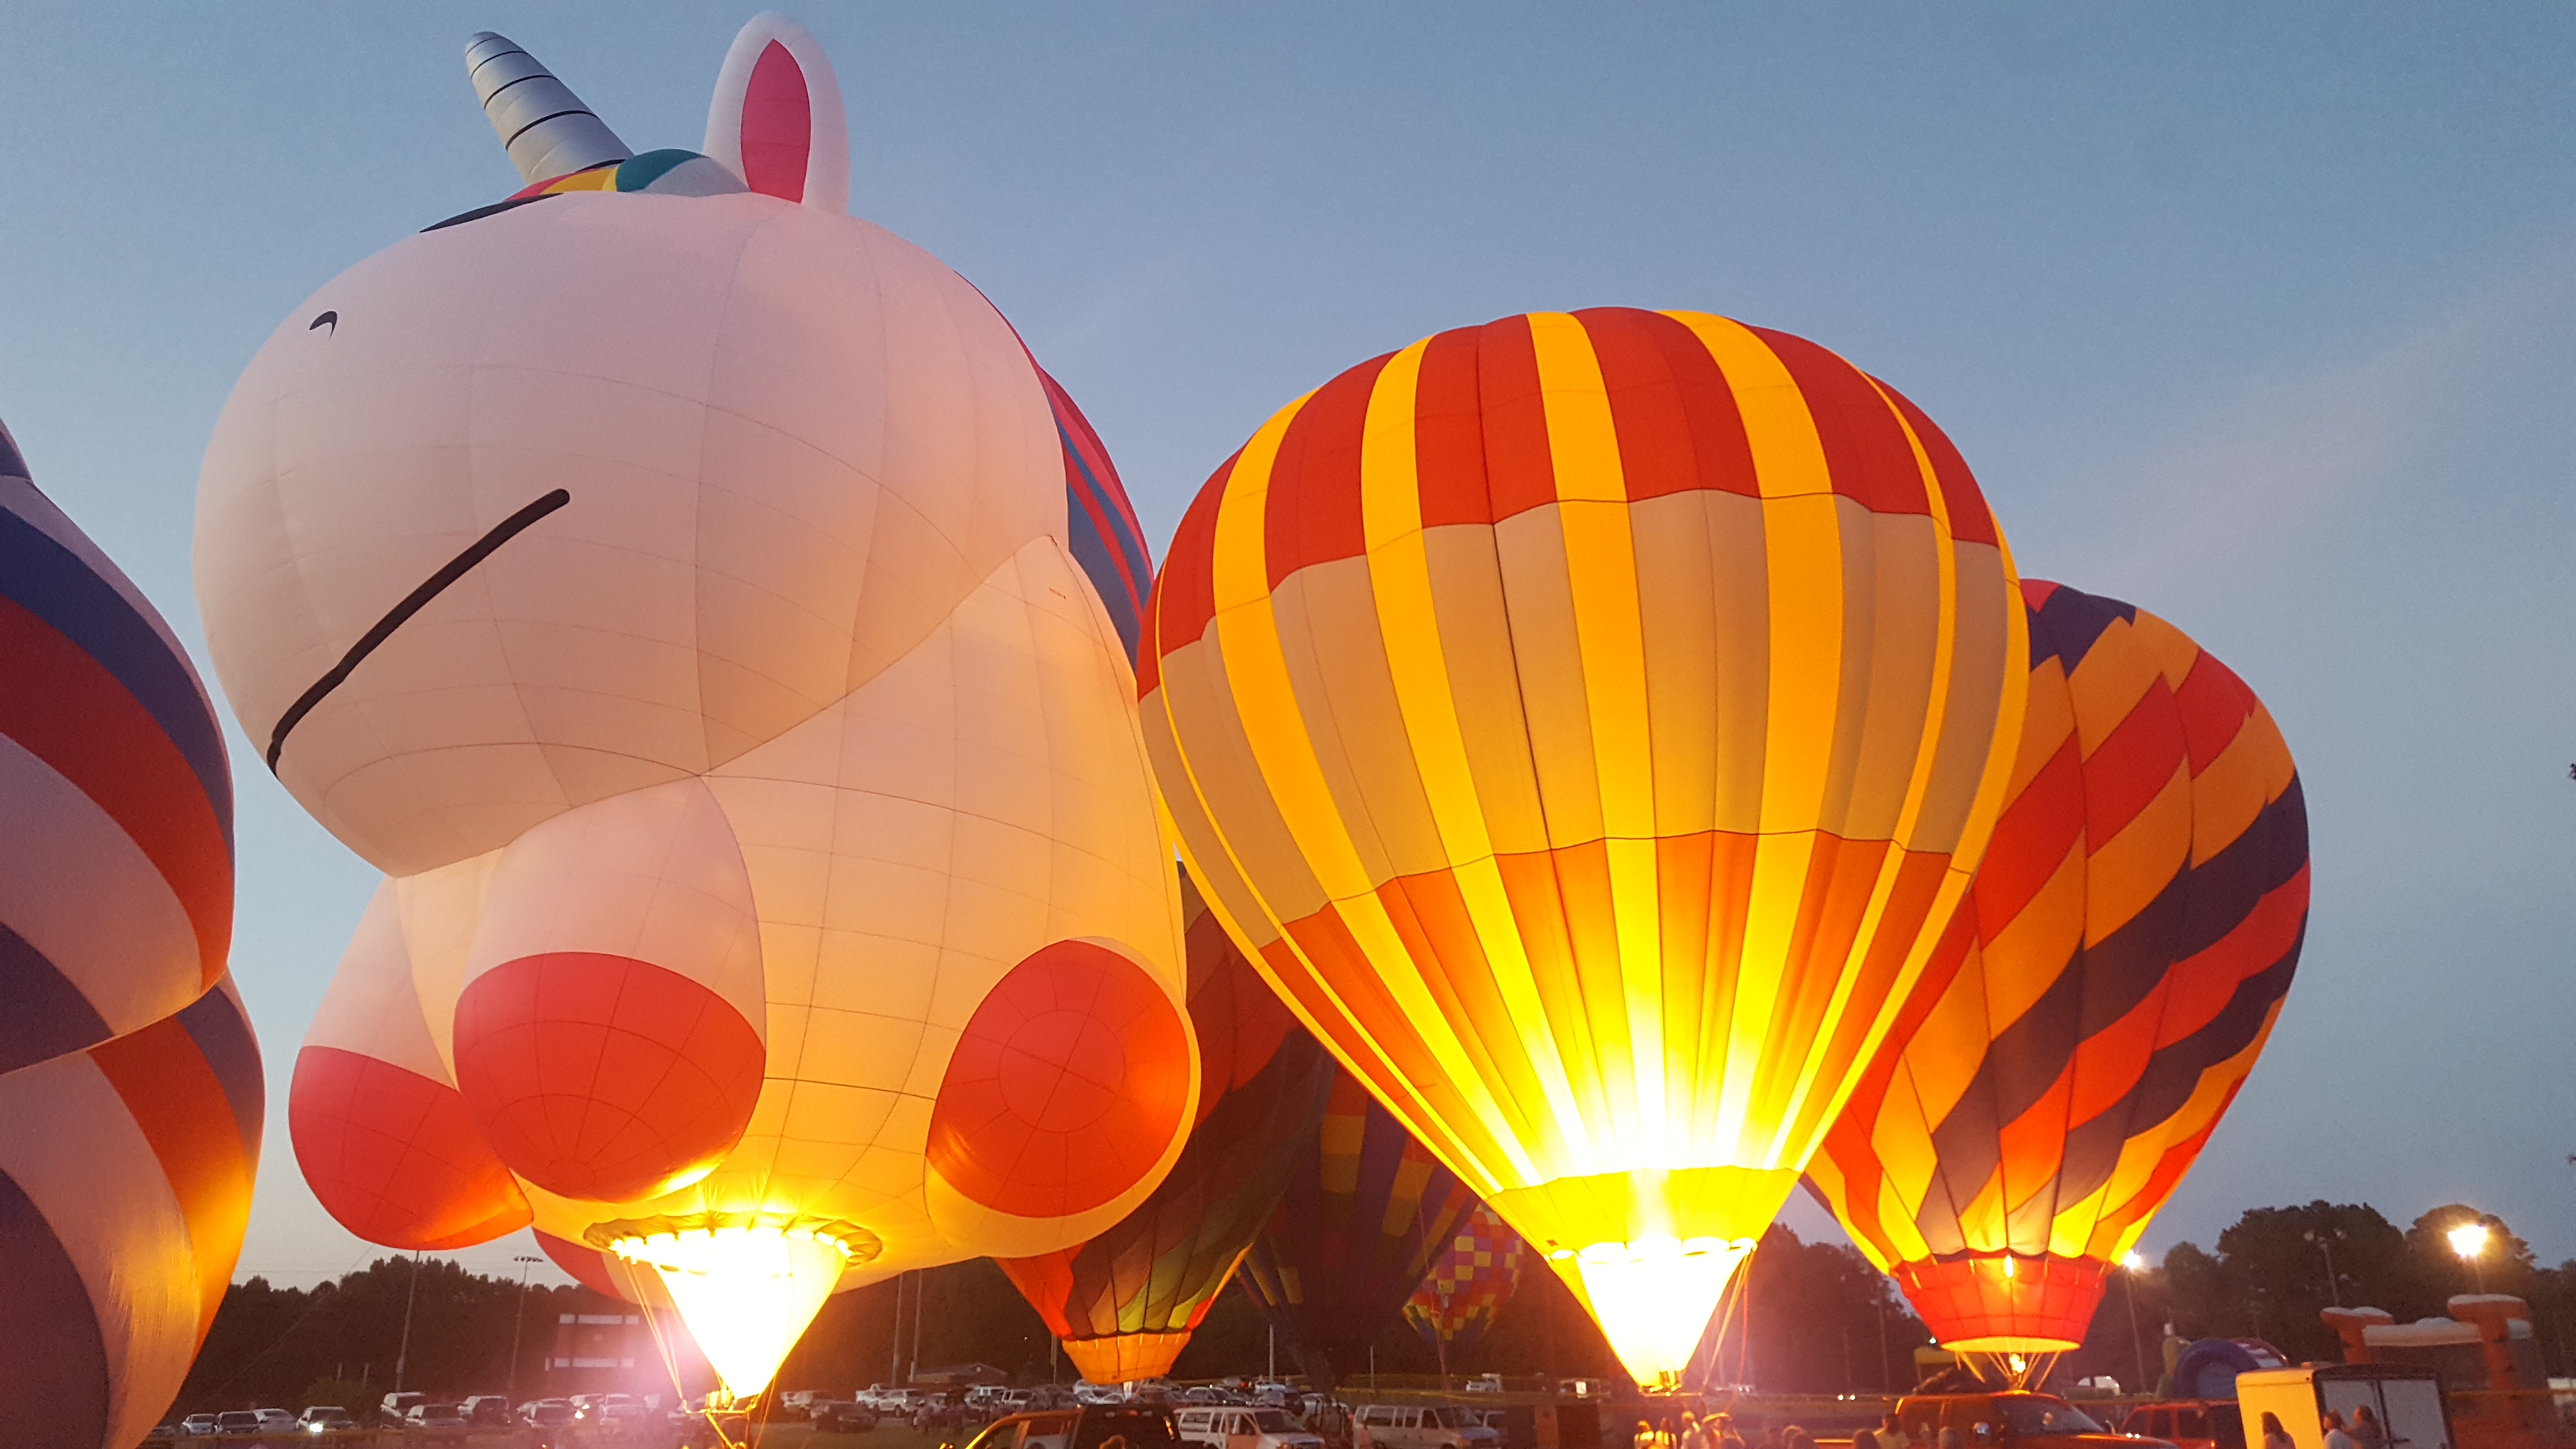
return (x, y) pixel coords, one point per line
(777, 126)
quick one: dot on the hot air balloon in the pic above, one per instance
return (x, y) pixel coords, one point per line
(1366, 1212)
(2094, 1009)
(1589, 723)
(1469, 1284)
(130, 1087)
(1125, 1303)
(700, 607)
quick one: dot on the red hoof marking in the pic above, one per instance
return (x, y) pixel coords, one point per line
(394, 1156)
(601, 1077)
(1066, 1087)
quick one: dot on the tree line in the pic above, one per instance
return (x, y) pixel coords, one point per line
(1802, 1318)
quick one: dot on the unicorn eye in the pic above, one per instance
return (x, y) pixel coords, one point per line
(326, 319)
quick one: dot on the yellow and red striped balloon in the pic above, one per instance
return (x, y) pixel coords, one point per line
(2090, 1016)
(1589, 722)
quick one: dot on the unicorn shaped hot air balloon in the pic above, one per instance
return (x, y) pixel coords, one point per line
(715, 626)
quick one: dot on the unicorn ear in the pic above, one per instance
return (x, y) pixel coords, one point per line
(776, 119)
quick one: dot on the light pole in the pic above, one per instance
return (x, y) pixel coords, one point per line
(2469, 1240)
(402, 1355)
(2130, 1262)
(2334, 1284)
(519, 1317)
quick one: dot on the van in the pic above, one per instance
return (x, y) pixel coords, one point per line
(1232, 1428)
(1409, 1426)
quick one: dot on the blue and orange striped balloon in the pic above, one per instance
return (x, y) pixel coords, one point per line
(2094, 1008)
(1106, 539)
(130, 1085)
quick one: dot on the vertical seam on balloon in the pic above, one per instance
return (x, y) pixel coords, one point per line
(1927, 760)
(1276, 735)
(1595, 525)
(1396, 546)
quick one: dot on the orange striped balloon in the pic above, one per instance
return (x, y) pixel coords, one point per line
(2089, 1017)
(1588, 722)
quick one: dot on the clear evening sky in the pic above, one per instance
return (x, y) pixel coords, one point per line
(2262, 317)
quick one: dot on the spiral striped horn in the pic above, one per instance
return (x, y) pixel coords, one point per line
(548, 131)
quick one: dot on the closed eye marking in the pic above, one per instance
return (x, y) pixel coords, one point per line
(412, 603)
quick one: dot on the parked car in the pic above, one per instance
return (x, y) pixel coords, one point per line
(324, 1418)
(608, 1411)
(1407, 1426)
(486, 1411)
(237, 1421)
(1485, 1384)
(2189, 1423)
(2014, 1419)
(1238, 1428)
(435, 1423)
(199, 1426)
(843, 1416)
(275, 1421)
(1272, 1393)
(546, 1411)
(1142, 1426)
(392, 1407)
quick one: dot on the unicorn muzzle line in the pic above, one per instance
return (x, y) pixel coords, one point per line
(718, 630)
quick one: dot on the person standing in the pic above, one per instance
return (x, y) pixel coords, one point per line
(2366, 1430)
(2274, 1436)
(2336, 1438)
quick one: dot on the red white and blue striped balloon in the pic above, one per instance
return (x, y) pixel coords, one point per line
(130, 1086)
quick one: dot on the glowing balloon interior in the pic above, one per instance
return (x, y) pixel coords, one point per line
(708, 616)
(1591, 721)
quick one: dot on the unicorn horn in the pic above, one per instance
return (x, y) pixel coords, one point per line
(547, 129)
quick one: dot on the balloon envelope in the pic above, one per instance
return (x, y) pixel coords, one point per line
(1591, 720)
(1366, 1212)
(1470, 1283)
(2095, 1009)
(674, 585)
(1126, 1302)
(130, 1086)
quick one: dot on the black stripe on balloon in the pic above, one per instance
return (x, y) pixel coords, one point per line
(400, 614)
(60, 1391)
(2172, 1075)
(2071, 620)
(480, 212)
(48, 1015)
(2100, 987)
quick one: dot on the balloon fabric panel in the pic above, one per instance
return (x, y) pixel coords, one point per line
(1106, 539)
(1365, 1213)
(130, 1086)
(2129, 938)
(1589, 719)
(1126, 1302)
(1468, 1286)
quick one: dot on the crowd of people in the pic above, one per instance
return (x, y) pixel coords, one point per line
(1718, 1431)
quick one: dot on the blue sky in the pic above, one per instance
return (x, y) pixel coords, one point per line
(2261, 317)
